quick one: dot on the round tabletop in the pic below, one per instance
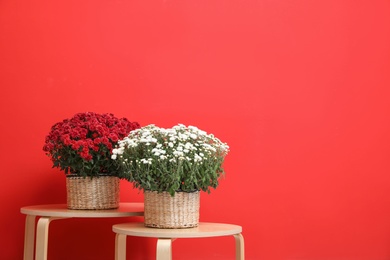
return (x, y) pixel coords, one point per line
(203, 230)
(126, 209)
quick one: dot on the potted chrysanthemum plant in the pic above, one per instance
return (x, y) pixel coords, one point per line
(81, 147)
(171, 166)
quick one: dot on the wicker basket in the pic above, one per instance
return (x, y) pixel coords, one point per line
(164, 211)
(92, 193)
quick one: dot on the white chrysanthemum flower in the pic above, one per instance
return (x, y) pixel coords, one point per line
(146, 161)
(193, 128)
(144, 140)
(190, 146)
(178, 153)
(177, 149)
(197, 158)
(183, 137)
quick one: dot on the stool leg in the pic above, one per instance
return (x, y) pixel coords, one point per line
(164, 249)
(29, 238)
(120, 247)
(240, 249)
(42, 237)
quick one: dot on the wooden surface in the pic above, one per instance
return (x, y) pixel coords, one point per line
(203, 230)
(125, 209)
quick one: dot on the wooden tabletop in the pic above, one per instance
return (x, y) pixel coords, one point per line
(203, 230)
(126, 209)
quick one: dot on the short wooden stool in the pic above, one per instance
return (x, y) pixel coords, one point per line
(166, 236)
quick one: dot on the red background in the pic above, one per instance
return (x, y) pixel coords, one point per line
(298, 89)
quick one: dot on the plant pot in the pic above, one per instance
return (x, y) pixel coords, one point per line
(164, 211)
(92, 193)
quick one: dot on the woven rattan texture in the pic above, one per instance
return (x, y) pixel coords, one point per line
(164, 211)
(92, 193)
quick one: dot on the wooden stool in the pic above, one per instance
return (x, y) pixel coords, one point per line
(166, 236)
(48, 213)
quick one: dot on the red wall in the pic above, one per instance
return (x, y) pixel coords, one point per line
(298, 89)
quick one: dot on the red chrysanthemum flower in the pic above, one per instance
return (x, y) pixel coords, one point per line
(82, 144)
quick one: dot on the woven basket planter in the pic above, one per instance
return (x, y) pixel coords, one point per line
(92, 193)
(164, 211)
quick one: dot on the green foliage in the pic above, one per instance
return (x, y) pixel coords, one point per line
(69, 161)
